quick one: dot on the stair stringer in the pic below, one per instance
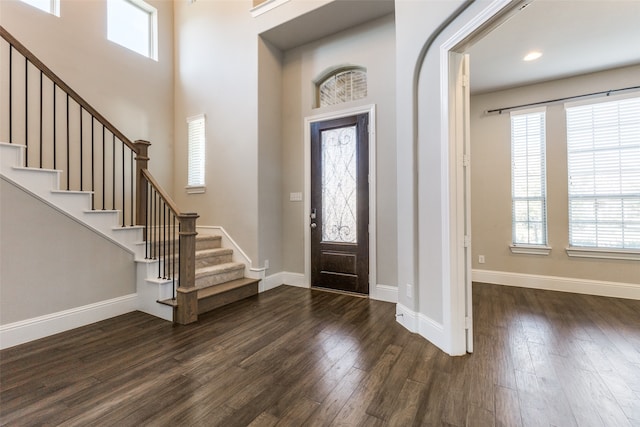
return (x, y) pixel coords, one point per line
(44, 184)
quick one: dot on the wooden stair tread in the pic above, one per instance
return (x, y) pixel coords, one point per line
(225, 287)
(172, 302)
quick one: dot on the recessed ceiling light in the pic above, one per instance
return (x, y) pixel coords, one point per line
(532, 56)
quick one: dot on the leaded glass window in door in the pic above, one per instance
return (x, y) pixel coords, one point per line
(339, 185)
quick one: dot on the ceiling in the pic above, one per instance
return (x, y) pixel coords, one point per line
(575, 37)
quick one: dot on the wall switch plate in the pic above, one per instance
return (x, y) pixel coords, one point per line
(409, 291)
(266, 263)
(480, 259)
(295, 197)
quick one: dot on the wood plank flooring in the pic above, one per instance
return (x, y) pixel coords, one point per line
(297, 357)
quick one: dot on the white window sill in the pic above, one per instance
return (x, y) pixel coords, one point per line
(624, 254)
(195, 189)
(530, 249)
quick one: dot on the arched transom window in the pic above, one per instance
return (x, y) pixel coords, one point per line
(342, 85)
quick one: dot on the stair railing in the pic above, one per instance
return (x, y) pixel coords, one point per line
(62, 131)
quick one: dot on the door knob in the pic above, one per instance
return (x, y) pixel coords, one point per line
(314, 225)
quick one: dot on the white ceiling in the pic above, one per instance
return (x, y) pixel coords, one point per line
(575, 37)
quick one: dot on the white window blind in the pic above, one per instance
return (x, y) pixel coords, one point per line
(196, 130)
(528, 178)
(132, 24)
(342, 86)
(603, 151)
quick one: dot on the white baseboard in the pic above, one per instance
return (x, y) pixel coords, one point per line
(24, 331)
(562, 284)
(385, 293)
(283, 278)
(418, 323)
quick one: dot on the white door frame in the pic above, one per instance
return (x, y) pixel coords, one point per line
(455, 297)
(371, 110)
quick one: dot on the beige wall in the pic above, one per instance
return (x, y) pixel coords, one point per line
(372, 46)
(133, 92)
(491, 183)
(216, 73)
(49, 263)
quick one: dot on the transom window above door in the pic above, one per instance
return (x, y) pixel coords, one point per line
(341, 85)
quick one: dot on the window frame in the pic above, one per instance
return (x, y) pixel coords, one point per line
(333, 74)
(520, 247)
(606, 252)
(152, 13)
(200, 186)
(53, 9)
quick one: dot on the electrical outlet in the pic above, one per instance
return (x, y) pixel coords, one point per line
(480, 259)
(266, 264)
(409, 291)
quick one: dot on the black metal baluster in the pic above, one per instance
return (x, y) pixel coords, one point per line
(10, 94)
(104, 167)
(93, 170)
(41, 108)
(146, 225)
(133, 178)
(164, 243)
(26, 111)
(180, 260)
(159, 234)
(55, 136)
(68, 156)
(124, 195)
(81, 144)
(173, 275)
(113, 169)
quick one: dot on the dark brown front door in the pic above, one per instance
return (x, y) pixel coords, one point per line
(340, 204)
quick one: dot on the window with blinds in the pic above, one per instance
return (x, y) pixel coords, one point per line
(342, 86)
(196, 129)
(603, 151)
(528, 178)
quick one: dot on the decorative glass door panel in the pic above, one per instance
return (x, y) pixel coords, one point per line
(339, 216)
(339, 185)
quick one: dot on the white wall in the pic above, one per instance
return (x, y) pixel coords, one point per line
(491, 183)
(133, 92)
(50, 263)
(371, 45)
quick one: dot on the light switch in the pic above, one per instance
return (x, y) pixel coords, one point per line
(295, 197)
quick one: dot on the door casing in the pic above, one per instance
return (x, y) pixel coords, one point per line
(371, 110)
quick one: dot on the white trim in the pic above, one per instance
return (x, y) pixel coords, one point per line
(283, 278)
(371, 110)
(195, 189)
(602, 98)
(238, 254)
(601, 253)
(452, 189)
(266, 6)
(530, 250)
(562, 284)
(384, 293)
(424, 326)
(27, 330)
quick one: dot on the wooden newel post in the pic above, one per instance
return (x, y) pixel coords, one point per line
(187, 294)
(142, 161)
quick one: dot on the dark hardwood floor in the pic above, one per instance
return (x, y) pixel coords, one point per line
(296, 357)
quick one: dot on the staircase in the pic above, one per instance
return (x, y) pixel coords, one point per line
(109, 189)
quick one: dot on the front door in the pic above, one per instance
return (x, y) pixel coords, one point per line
(340, 204)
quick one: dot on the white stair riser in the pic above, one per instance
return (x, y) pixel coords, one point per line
(11, 155)
(74, 203)
(38, 181)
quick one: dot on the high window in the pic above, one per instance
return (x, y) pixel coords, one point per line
(603, 152)
(528, 178)
(196, 144)
(133, 24)
(49, 6)
(342, 85)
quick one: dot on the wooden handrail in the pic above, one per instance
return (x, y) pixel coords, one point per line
(65, 87)
(165, 197)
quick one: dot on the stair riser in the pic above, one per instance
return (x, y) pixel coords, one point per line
(215, 301)
(202, 244)
(216, 279)
(212, 260)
